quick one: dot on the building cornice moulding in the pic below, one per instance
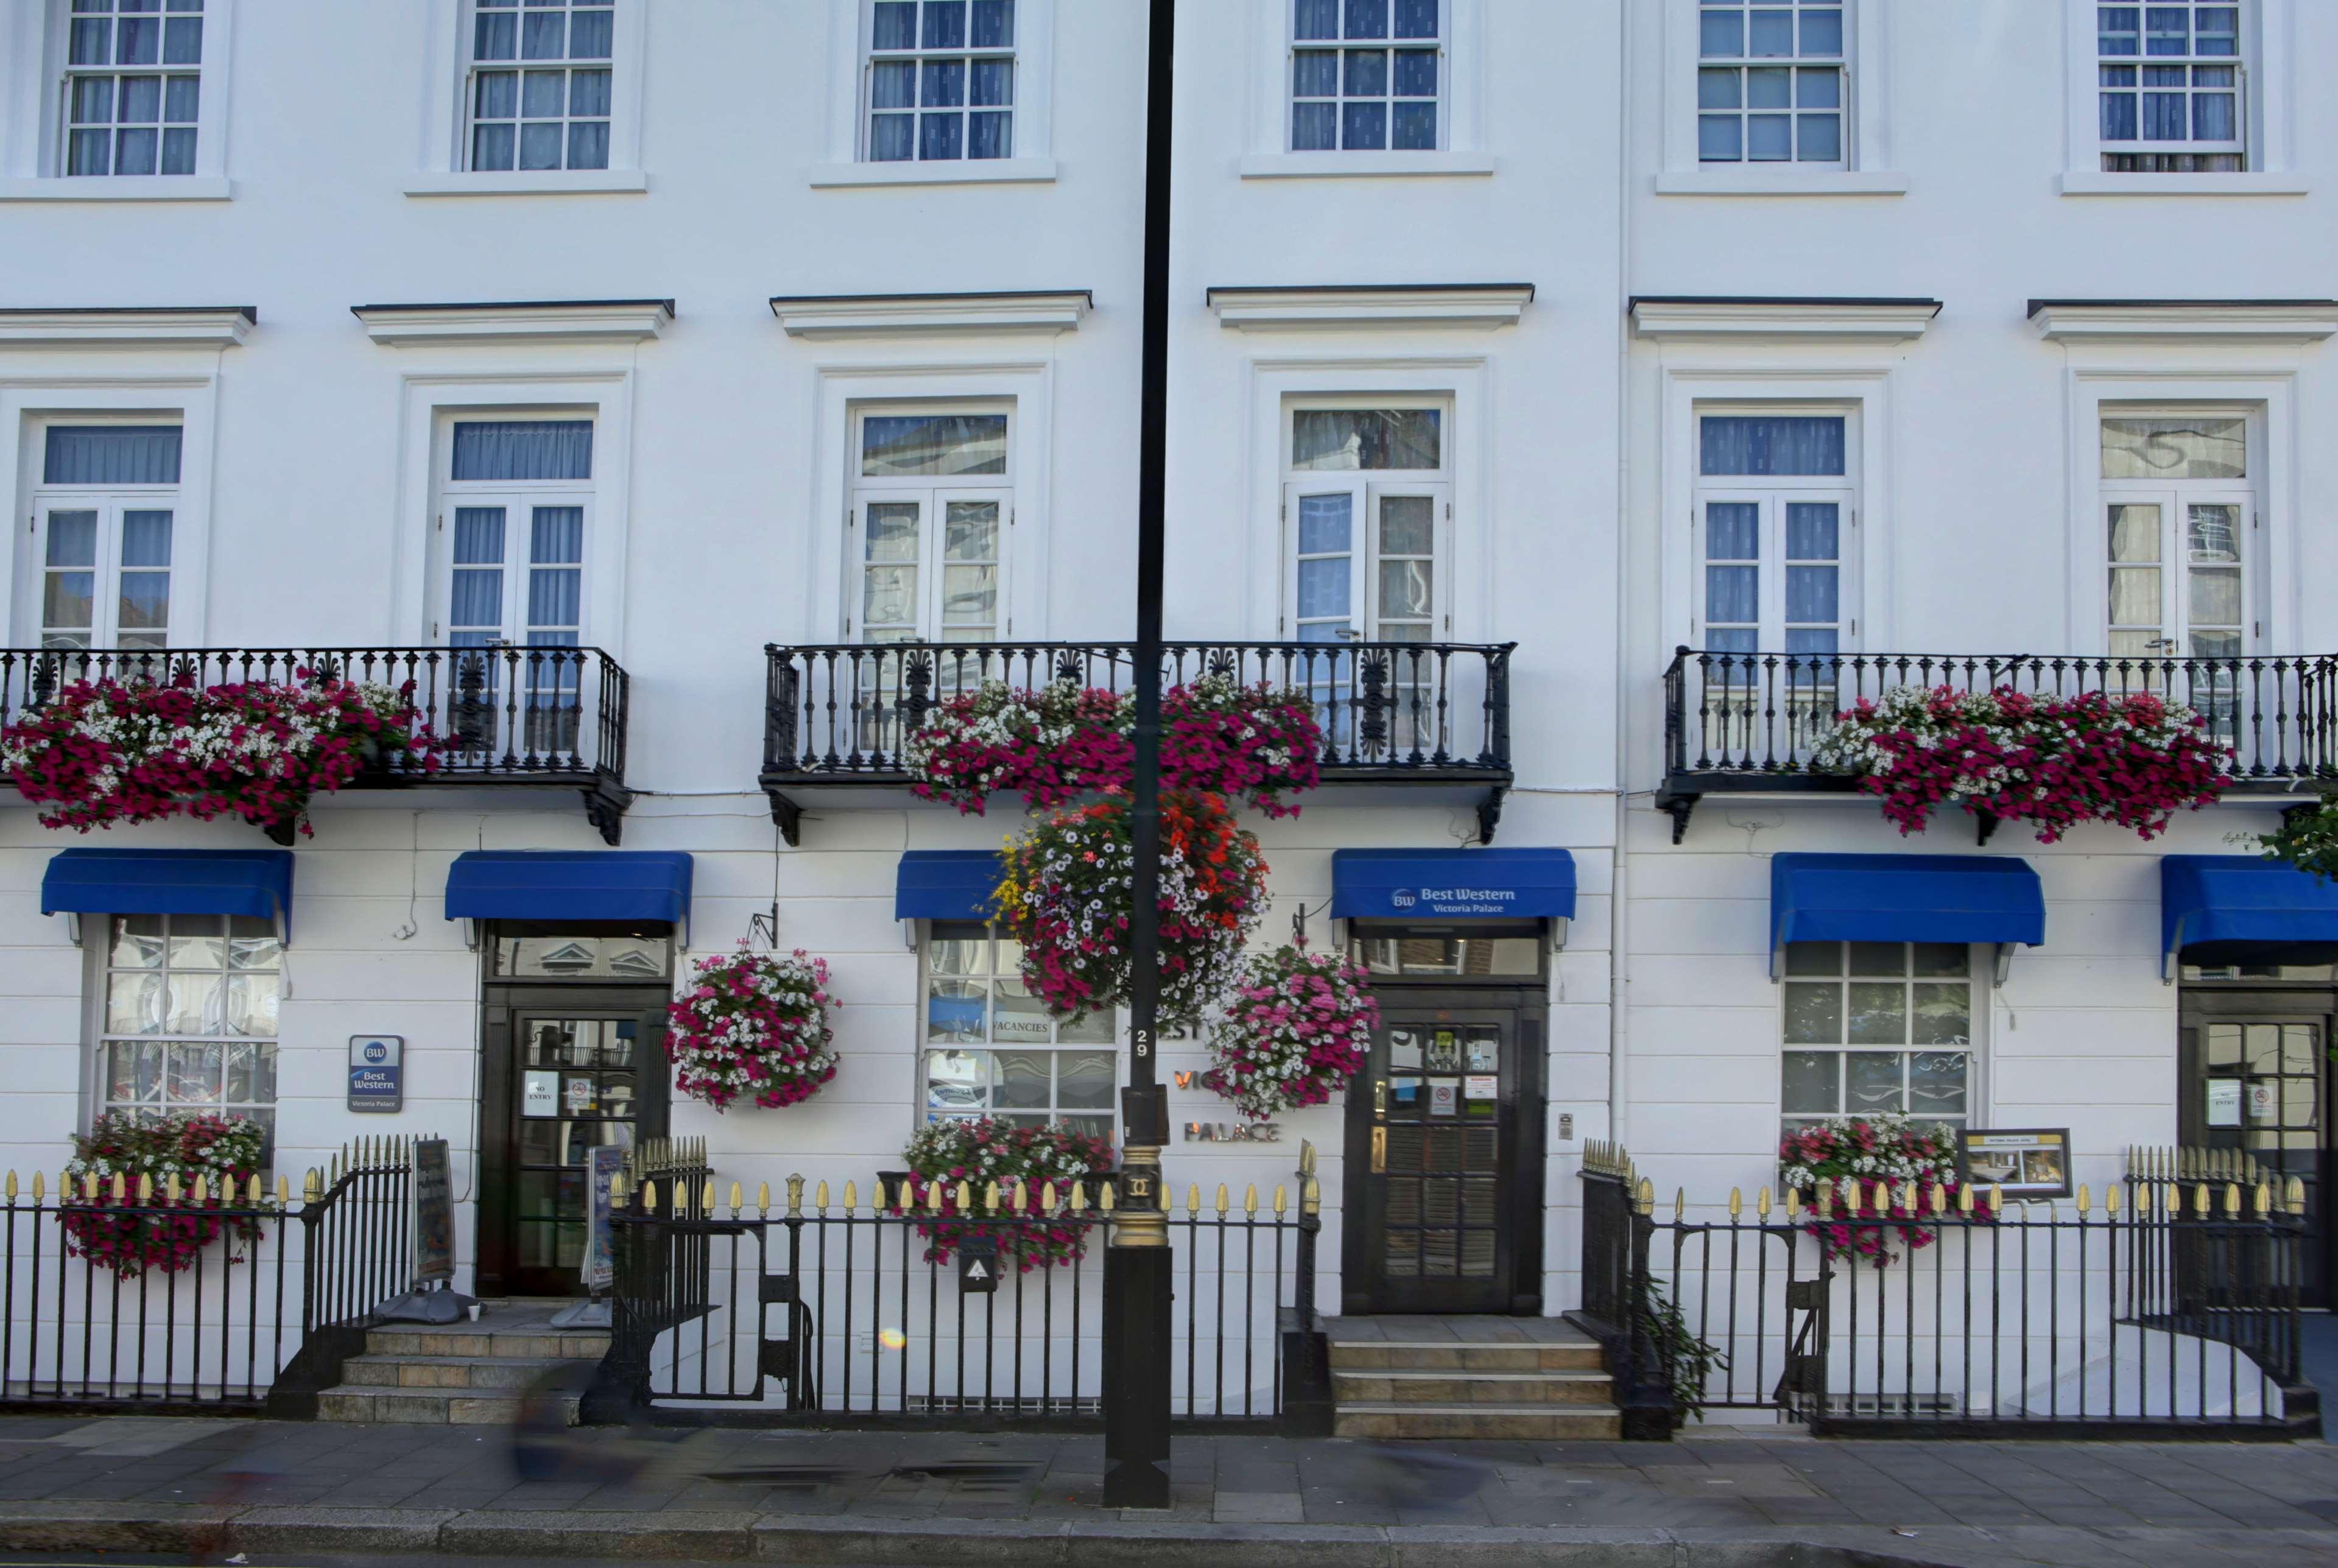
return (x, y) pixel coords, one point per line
(128, 326)
(527, 321)
(1044, 310)
(2196, 320)
(1837, 320)
(1335, 307)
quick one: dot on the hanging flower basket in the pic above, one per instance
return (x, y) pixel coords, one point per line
(161, 1232)
(2051, 761)
(1060, 742)
(1296, 1030)
(1881, 1174)
(107, 752)
(1040, 1163)
(1064, 894)
(752, 1024)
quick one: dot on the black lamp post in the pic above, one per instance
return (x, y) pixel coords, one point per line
(1138, 1264)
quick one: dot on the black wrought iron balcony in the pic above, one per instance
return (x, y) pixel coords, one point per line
(1402, 713)
(546, 718)
(1753, 722)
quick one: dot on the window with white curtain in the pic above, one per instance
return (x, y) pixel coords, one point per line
(940, 80)
(539, 91)
(932, 499)
(2179, 510)
(133, 86)
(517, 501)
(1367, 75)
(1771, 82)
(1775, 514)
(103, 516)
(2171, 84)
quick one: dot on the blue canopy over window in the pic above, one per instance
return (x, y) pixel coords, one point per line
(571, 884)
(254, 882)
(1903, 898)
(2219, 909)
(946, 885)
(1447, 884)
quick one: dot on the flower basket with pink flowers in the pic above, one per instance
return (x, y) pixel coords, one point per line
(2134, 760)
(1881, 1175)
(752, 1024)
(1296, 1029)
(1035, 1168)
(165, 1229)
(107, 752)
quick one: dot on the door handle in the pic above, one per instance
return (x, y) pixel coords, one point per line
(1380, 1096)
(1379, 1151)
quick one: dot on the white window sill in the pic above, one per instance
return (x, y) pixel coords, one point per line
(545, 182)
(119, 188)
(1740, 179)
(1361, 165)
(2096, 182)
(936, 171)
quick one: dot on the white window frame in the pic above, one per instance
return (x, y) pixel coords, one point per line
(1773, 492)
(97, 945)
(1731, 383)
(2118, 386)
(2268, 110)
(1839, 63)
(2174, 497)
(1261, 601)
(1293, 44)
(32, 55)
(917, 55)
(430, 404)
(110, 502)
(1980, 964)
(1461, 150)
(845, 163)
(518, 498)
(446, 168)
(932, 494)
(1866, 168)
(923, 1113)
(466, 149)
(1026, 389)
(1367, 487)
(28, 410)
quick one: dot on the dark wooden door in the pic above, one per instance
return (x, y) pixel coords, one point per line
(566, 1070)
(2255, 1071)
(1441, 1149)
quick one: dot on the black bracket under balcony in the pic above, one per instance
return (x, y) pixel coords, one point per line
(506, 716)
(1753, 723)
(1392, 713)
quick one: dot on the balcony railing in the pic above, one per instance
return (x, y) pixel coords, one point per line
(1752, 721)
(542, 717)
(1392, 712)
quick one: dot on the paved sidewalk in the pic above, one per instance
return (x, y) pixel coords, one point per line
(129, 1483)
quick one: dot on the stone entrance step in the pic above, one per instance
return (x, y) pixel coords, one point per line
(467, 1374)
(1468, 1377)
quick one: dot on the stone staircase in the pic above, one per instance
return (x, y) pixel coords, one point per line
(466, 1374)
(1460, 1377)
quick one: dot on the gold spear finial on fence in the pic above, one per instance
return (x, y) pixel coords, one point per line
(2084, 1201)
(170, 1186)
(852, 1196)
(2110, 1200)
(795, 1196)
(1249, 1199)
(1965, 1200)
(1278, 1200)
(649, 1196)
(2294, 1197)
(1646, 1196)
(1310, 1196)
(11, 1184)
(1192, 1199)
(37, 1183)
(1824, 1193)
(1222, 1203)
(120, 1187)
(1762, 1203)
(1736, 1202)
(1022, 1196)
(1108, 1197)
(2200, 1200)
(1794, 1197)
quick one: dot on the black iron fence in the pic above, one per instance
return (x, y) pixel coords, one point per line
(2170, 1309)
(1386, 709)
(505, 715)
(948, 1304)
(196, 1296)
(1762, 717)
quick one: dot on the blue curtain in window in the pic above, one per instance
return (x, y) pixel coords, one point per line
(111, 454)
(496, 449)
(1771, 444)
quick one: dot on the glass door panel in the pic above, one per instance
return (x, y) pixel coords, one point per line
(579, 1085)
(1438, 1110)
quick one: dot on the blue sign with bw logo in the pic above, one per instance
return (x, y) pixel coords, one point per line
(377, 1073)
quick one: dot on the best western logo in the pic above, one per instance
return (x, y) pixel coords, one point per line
(1402, 898)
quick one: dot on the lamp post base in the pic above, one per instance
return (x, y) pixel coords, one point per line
(1136, 1287)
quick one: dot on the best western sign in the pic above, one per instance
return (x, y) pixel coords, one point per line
(1455, 900)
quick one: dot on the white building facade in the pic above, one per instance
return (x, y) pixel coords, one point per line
(815, 326)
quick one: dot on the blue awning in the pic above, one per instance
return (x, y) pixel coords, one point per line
(577, 884)
(254, 882)
(2218, 909)
(1903, 898)
(946, 885)
(1446, 884)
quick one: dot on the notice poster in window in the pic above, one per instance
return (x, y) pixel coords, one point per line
(2023, 1163)
(2264, 1100)
(539, 1093)
(1444, 1097)
(2223, 1109)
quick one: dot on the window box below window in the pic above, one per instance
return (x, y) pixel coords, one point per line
(533, 182)
(118, 188)
(1362, 165)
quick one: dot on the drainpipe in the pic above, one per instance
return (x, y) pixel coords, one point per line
(1619, 941)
